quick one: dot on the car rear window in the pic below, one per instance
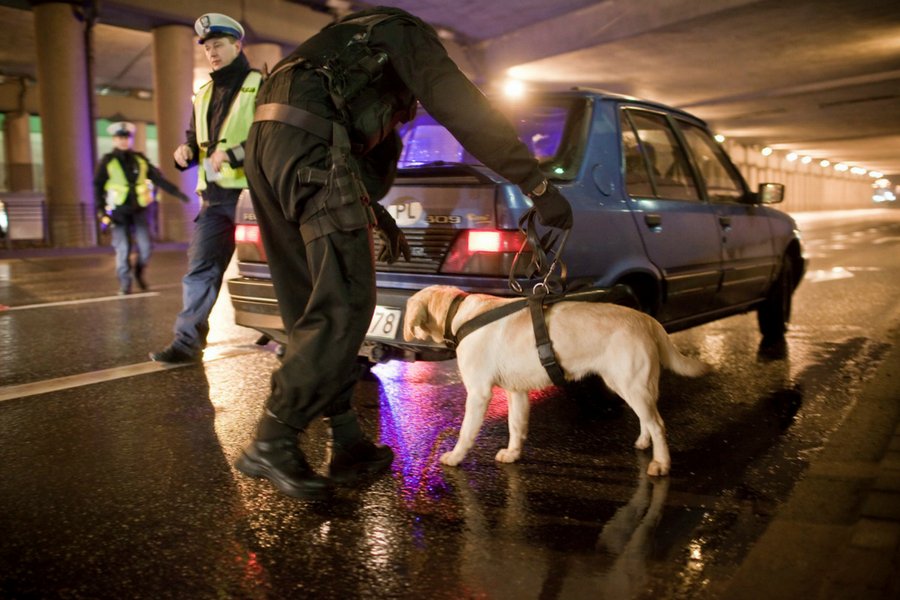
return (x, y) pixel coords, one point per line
(554, 131)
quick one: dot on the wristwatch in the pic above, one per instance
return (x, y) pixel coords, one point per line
(539, 190)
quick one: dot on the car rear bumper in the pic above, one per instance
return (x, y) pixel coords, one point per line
(256, 307)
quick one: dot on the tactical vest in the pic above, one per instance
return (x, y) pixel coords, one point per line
(117, 185)
(369, 102)
(233, 131)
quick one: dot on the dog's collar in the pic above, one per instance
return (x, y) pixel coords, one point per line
(450, 340)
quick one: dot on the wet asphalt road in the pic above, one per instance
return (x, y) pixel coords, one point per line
(116, 477)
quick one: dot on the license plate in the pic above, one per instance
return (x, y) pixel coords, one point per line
(386, 323)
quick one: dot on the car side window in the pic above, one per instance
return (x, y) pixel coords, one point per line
(722, 183)
(665, 158)
(637, 178)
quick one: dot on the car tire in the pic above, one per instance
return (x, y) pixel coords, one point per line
(774, 313)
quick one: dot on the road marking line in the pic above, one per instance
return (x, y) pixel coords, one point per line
(4, 308)
(12, 392)
(828, 275)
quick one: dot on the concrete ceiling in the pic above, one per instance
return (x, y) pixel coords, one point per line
(819, 77)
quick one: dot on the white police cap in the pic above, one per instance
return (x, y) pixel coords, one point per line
(121, 129)
(213, 25)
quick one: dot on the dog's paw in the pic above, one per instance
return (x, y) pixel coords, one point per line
(506, 455)
(657, 469)
(450, 459)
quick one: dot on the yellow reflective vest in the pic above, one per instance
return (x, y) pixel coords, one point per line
(233, 131)
(117, 184)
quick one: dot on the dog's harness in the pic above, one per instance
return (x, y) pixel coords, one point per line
(537, 302)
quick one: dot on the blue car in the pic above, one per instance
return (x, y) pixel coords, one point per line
(658, 206)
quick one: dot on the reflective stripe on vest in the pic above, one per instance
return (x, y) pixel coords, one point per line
(117, 185)
(232, 132)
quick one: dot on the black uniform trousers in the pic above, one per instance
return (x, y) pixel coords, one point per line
(325, 286)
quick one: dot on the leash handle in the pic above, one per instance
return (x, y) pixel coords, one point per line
(540, 266)
(557, 262)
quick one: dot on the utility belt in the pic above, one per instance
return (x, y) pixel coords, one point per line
(343, 203)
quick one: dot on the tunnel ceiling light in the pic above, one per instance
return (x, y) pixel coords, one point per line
(719, 138)
(857, 170)
(806, 160)
(514, 88)
(876, 174)
(766, 151)
(824, 163)
(841, 167)
(792, 156)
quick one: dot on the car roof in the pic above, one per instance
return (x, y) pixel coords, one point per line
(607, 96)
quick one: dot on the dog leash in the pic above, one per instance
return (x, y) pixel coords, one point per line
(541, 266)
(541, 247)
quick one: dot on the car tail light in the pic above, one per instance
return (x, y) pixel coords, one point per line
(483, 252)
(248, 243)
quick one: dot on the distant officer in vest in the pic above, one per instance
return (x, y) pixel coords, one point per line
(324, 123)
(223, 112)
(123, 192)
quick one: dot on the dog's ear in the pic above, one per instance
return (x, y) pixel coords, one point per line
(416, 317)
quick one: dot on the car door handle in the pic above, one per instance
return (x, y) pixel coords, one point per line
(725, 222)
(653, 220)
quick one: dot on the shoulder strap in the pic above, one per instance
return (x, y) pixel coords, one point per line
(495, 314)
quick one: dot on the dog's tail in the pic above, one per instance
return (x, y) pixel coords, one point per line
(674, 360)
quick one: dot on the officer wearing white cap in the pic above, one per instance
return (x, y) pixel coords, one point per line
(123, 192)
(217, 25)
(223, 112)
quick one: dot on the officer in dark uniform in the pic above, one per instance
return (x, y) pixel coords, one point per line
(123, 193)
(324, 123)
(223, 111)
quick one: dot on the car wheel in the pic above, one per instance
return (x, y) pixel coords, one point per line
(775, 311)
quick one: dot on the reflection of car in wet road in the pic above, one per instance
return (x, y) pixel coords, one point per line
(658, 207)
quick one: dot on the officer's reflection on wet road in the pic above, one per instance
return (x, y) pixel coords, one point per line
(117, 477)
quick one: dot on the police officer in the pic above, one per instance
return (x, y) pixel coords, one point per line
(223, 111)
(123, 192)
(324, 123)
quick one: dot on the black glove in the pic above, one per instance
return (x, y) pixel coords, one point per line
(553, 208)
(395, 242)
(183, 197)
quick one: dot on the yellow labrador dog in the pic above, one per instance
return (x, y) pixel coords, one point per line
(623, 346)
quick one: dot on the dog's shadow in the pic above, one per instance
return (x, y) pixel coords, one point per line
(593, 399)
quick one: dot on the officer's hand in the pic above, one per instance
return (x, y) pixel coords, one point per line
(104, 220)
(183, 155)
(217, 158)
(395, 242)
(553, 208)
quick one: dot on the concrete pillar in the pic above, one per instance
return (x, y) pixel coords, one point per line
(65, 124)
(263, 55)
(17, 136)
(140, 137)
(173, 68)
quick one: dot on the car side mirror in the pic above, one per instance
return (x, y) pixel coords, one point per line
(770, 193)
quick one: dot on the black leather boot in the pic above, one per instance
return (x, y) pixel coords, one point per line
(350, 455)
(139, 277)
(279, 459)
